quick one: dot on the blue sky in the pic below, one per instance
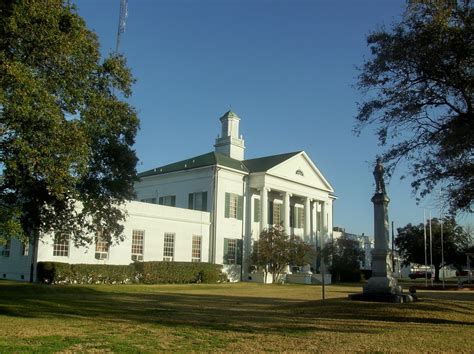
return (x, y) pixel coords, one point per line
(286, 67)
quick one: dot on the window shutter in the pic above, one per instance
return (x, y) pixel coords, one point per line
(238, 256)
(191, 201)
(173, 200)
(160, 201)
(204, 201)
(270, 213)
(256, 210)
(240, 207)
(227, 205)
(292, 216)
(226, 251)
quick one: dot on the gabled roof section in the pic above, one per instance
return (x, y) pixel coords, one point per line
(209, 159)
(263, 164)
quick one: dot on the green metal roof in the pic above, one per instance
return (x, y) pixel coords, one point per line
(215, 158)
(229, 114)
(209, 159)
(263, 164)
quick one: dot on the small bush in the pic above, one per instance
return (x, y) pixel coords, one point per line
(145, 272)
(177, 272)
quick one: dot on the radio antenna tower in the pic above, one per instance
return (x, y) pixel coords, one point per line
(122, 20)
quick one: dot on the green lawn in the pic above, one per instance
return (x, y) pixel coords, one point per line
(227, 317)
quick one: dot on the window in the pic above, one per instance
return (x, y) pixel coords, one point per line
(25, 247)
(101, 246)
(6, 249)
(196, 249)
(169, 200)
(299, 217)
(168, 248)
(232, 251)
(148, 200)
(137, 245)
(197, 201)
(256, 210)
(234, 206)
(276, 214)
(61, 245)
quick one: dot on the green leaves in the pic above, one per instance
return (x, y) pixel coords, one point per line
(418, 94)
(66, 143)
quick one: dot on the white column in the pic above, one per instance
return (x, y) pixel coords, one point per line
(314, 215)
(324, 225)
(307, 219)
(263, 208)
(286, 211)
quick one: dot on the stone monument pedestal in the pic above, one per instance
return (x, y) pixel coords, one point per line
(382, 286)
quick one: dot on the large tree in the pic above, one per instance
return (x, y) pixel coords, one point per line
(418, 85)
(275, 250)
(410, 243)
(66, 137)
(344, 257)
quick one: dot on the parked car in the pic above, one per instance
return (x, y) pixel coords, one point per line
(418, 274)
(463, 273)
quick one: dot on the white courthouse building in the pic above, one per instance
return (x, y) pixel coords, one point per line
(207, 208)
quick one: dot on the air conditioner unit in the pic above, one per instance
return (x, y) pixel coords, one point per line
(101, 255)
(137, 257)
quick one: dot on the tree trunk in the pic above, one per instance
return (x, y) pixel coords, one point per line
(34, 239)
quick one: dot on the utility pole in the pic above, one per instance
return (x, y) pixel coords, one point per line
(426, 255)
(431, 253)
(442, 249)
(393, 251)
(121, 24)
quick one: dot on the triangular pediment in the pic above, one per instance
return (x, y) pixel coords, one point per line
(301, 169)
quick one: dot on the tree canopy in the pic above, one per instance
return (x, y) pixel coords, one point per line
(344, 256)
(66, 137)
(418, 94)
(275, 250)
(456, 242)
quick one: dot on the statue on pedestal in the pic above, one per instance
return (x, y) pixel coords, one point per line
(378, 175)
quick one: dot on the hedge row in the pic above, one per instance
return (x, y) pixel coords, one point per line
(142, 272)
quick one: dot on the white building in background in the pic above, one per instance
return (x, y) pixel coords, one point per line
(365, 242)
(207, 208)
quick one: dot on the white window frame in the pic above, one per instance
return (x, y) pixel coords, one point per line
(138, 245)
(101, 247)
(61, 245)
(168, 246)
(196, 248)
(7, 248)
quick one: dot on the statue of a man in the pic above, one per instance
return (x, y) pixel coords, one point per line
(378, 175)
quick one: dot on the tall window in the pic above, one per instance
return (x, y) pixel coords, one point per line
(25, 247)
(137, 245)
(168, 247)
(169, 200)
(256, 210)
(232, 251)
(299, 217)
(276, 214)
(197, 201)
(233, 206)
(101, 247)
(61, 245)
(196, 249)
(6, 249)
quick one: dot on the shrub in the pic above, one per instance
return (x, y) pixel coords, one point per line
(64, 273)
(145, 272)
(178, 272)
